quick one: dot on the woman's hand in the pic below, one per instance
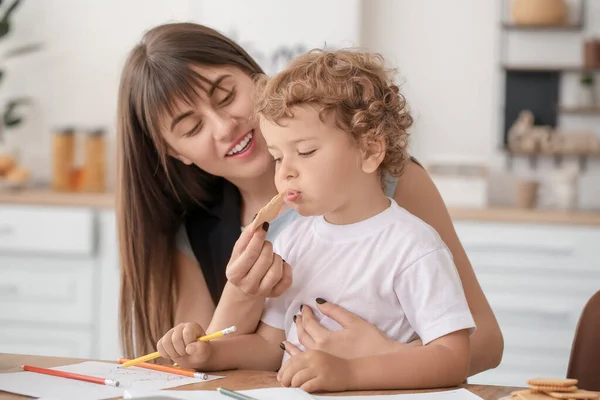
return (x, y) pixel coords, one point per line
(255, 269)
(357, 338)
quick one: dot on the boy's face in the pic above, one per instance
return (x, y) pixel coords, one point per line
(317, 164)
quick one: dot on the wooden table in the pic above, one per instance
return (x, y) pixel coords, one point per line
(236, 380)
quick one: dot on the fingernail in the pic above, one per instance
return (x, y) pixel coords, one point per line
(265, 226)
(320, 300)
(301, 305)
(283, 260)
(253, 218)
(295, 318)
(282, 346)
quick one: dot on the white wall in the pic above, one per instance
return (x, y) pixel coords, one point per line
(74, 79)
(448, 56)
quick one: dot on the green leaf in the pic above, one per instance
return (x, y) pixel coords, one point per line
(11, 119)
(19, 51)
(5, 21)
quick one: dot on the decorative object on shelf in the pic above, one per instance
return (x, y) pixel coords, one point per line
(540, 12)
(526, 193)
(591, 53)
(563, 188)
(526, 138)
(587, 91)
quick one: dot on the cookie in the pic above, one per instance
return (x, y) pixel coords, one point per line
(565, 389)
(268, 212)
(529, 395)
(560, 382)
(579, 394)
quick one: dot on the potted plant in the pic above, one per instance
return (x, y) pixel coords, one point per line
(587, 94)
(9, 112)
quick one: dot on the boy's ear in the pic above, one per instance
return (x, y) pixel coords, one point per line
(373, 149)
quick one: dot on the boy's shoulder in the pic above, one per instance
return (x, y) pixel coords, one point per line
(411, 236)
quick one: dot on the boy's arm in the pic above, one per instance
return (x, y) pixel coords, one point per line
(443, 362)
(258, 351)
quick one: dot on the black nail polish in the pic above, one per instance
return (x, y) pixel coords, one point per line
(301, 305)
(283, 260)
(265, 226)
(253, 218)
(282, 346)
(295, 318)
(320, 300)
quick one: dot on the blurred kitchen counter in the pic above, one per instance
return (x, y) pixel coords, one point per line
(520, 215)
(47, 197)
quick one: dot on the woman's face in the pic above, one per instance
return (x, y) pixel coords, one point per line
(217, 133)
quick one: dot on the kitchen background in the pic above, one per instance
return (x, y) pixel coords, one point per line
(507, 120)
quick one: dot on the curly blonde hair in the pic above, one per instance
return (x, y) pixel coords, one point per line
(352, 87)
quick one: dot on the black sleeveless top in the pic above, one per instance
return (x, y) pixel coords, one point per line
(212, 233)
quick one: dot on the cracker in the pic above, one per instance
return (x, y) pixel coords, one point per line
(268, 212)
(579, 394)
(565, 389)
(529, 395)
(552, 382)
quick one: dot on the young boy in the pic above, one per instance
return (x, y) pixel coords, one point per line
(336, 126)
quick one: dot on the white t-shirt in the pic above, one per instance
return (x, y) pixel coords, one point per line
(393, 270)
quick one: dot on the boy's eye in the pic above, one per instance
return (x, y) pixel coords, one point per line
(307, 153)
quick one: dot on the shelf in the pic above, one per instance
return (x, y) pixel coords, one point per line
(580, 110)
(549, 68)
(563, 27)
(541, 154)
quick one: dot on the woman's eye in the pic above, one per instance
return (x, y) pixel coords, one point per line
(277, 160)
(194, 130)
(228, 98)
(307, 153)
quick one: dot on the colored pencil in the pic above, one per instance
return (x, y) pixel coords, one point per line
(156, 354)
(70, 375)
(234, 395)
(173, 370)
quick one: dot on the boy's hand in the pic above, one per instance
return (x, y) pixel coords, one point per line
(181, 346)
(314, 371)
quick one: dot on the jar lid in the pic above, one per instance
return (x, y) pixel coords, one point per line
(68, 130)
(97, 132)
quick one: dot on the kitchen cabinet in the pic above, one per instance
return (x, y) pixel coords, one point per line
(537, 278)
(59, 281)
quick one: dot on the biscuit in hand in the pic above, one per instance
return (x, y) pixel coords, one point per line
(268, 212)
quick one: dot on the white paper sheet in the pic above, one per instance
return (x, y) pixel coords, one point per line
(262, 394)
(133, 378)
(295, 394)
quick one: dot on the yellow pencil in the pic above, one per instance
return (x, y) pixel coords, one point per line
(204, 338)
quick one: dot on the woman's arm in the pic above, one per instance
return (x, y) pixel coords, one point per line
(417, 193)
(254, 273)
(194, 302)
(442, 363)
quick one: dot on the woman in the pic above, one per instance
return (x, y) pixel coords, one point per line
(193, 170)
